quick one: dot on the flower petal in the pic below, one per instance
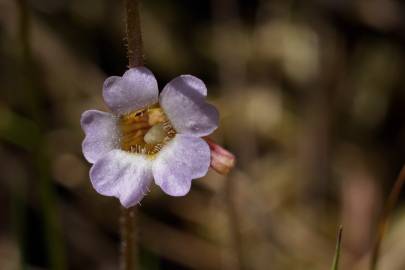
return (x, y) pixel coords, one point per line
(136, 89)
(101, 134)
(184, 103)
(192, 82)
(123, 175)
(181, 160)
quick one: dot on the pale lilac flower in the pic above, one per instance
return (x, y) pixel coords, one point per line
(148, 136)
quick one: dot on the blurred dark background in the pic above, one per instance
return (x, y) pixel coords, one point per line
(311, 95)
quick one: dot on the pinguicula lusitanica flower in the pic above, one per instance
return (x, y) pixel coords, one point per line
(148, 136)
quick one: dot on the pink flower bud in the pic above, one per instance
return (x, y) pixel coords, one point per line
(222, 161)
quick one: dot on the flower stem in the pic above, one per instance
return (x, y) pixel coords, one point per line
(135, 58)
(128, 237)
(134, 34)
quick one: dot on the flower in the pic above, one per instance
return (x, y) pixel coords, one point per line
(148, 136)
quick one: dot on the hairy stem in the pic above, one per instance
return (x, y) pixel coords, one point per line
(134, 34)
(135, 58)
(128, 238)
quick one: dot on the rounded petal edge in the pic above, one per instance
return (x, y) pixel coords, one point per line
(136, 89)
(187, 109)
(123, 175)
(183, 159)
(191, 82)
(101, 134)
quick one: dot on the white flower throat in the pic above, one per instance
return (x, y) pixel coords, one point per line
(145, 131)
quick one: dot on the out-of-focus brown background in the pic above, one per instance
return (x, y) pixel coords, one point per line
(312, 102)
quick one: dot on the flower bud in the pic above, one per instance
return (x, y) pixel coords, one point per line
(222, 161)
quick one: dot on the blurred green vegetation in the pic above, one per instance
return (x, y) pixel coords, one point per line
(311, 95)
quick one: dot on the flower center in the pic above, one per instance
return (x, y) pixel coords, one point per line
(145, 131)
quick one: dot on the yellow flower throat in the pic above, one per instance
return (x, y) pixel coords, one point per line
(145, 131)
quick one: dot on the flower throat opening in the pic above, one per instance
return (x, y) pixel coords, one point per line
(145, 131)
